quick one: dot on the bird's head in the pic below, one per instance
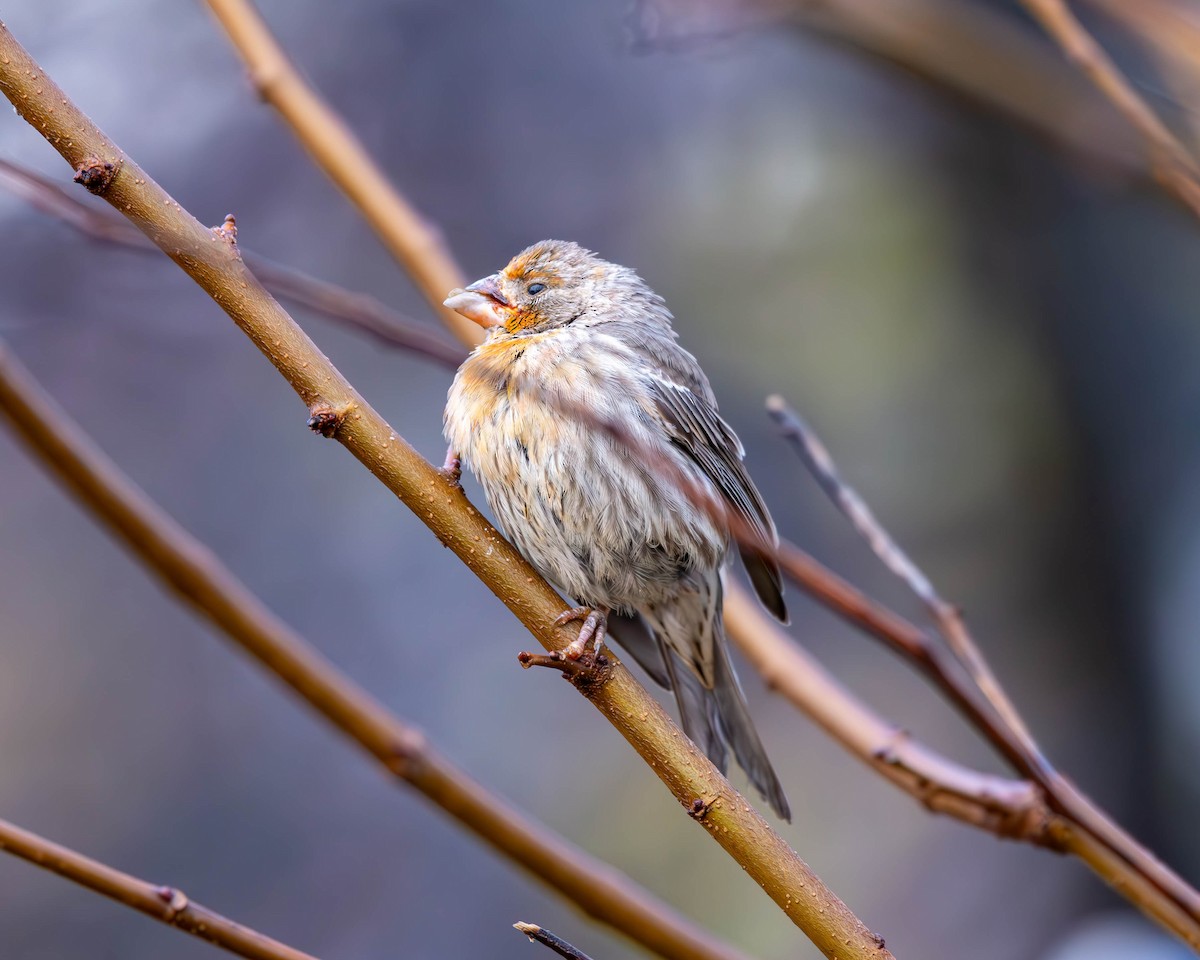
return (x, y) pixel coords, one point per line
(553, 284)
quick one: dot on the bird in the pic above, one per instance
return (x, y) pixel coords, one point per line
(591, 430)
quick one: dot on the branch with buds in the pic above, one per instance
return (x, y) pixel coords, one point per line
(165, 904)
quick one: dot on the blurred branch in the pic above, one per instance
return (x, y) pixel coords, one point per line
(980, 53)
(413, 241)
(969, 50)
(356, 310)
(1170, 31)
(1173, 166)
(1079, 826)
(543, 936)
(166, 904)
(213, 262)
(198, 577)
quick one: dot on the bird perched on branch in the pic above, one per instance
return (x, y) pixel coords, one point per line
(598, 445)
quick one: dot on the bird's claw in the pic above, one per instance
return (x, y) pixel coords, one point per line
(451, 469)
(594, 629)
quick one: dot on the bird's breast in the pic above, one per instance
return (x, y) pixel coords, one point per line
(588, 513)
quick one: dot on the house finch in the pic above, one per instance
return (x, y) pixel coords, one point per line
(579, 343)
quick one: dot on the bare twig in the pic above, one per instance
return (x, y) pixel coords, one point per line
(166, 904)
(199, 578)
(846, 499)
(1170, 32)
(543, 936)
(972, 51)
(357, 310)
(1173, 166)
(335, 148)
(1012, 809)
(1107, 848)
(216, 266)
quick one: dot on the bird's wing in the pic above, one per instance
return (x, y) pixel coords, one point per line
(698, 431)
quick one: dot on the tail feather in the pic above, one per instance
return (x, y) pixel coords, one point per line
(733, 716)
(697, 709)
(716, 718)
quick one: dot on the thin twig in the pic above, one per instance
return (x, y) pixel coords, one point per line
(199, 578)
(356, 310)
(974, 52)
(1012, 809)
(543, 936)
(165, 904)
(333, 146)
(214, 263)
(1092, 834)
(1174, 167)
(820, 464)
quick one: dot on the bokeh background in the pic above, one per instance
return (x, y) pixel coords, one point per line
(997, 338)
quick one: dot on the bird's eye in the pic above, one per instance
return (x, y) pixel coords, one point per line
(535, 288)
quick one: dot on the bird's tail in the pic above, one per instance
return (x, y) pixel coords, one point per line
(716, 718)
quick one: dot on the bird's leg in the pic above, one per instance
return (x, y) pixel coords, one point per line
(452, 468)
(595, 626)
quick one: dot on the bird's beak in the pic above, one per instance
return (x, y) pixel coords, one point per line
(482, 302)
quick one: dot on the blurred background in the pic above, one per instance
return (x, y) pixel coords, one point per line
(976, 296)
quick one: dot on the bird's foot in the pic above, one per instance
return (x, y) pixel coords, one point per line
(452, 468)
(594, 629)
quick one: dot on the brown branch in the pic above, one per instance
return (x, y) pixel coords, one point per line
(1082, 828)
(356, 310)
(820, 464)
(1173, 166)
(543, 936)
(1013, 809)
(166, 904)
(217, 268)
(970, 51)
(1170, 32)
(193, 573)
(334, 147)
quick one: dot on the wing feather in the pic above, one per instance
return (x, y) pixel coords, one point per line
(699, 432)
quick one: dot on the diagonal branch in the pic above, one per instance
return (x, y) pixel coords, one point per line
(333, 146)
(213, 262)
(820, 464)
(1011, 809)
(1083, 828)
(356, 310)
(975, 52)
(543, 936)
(189, 569)
(166, 904)
(1173, 166)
